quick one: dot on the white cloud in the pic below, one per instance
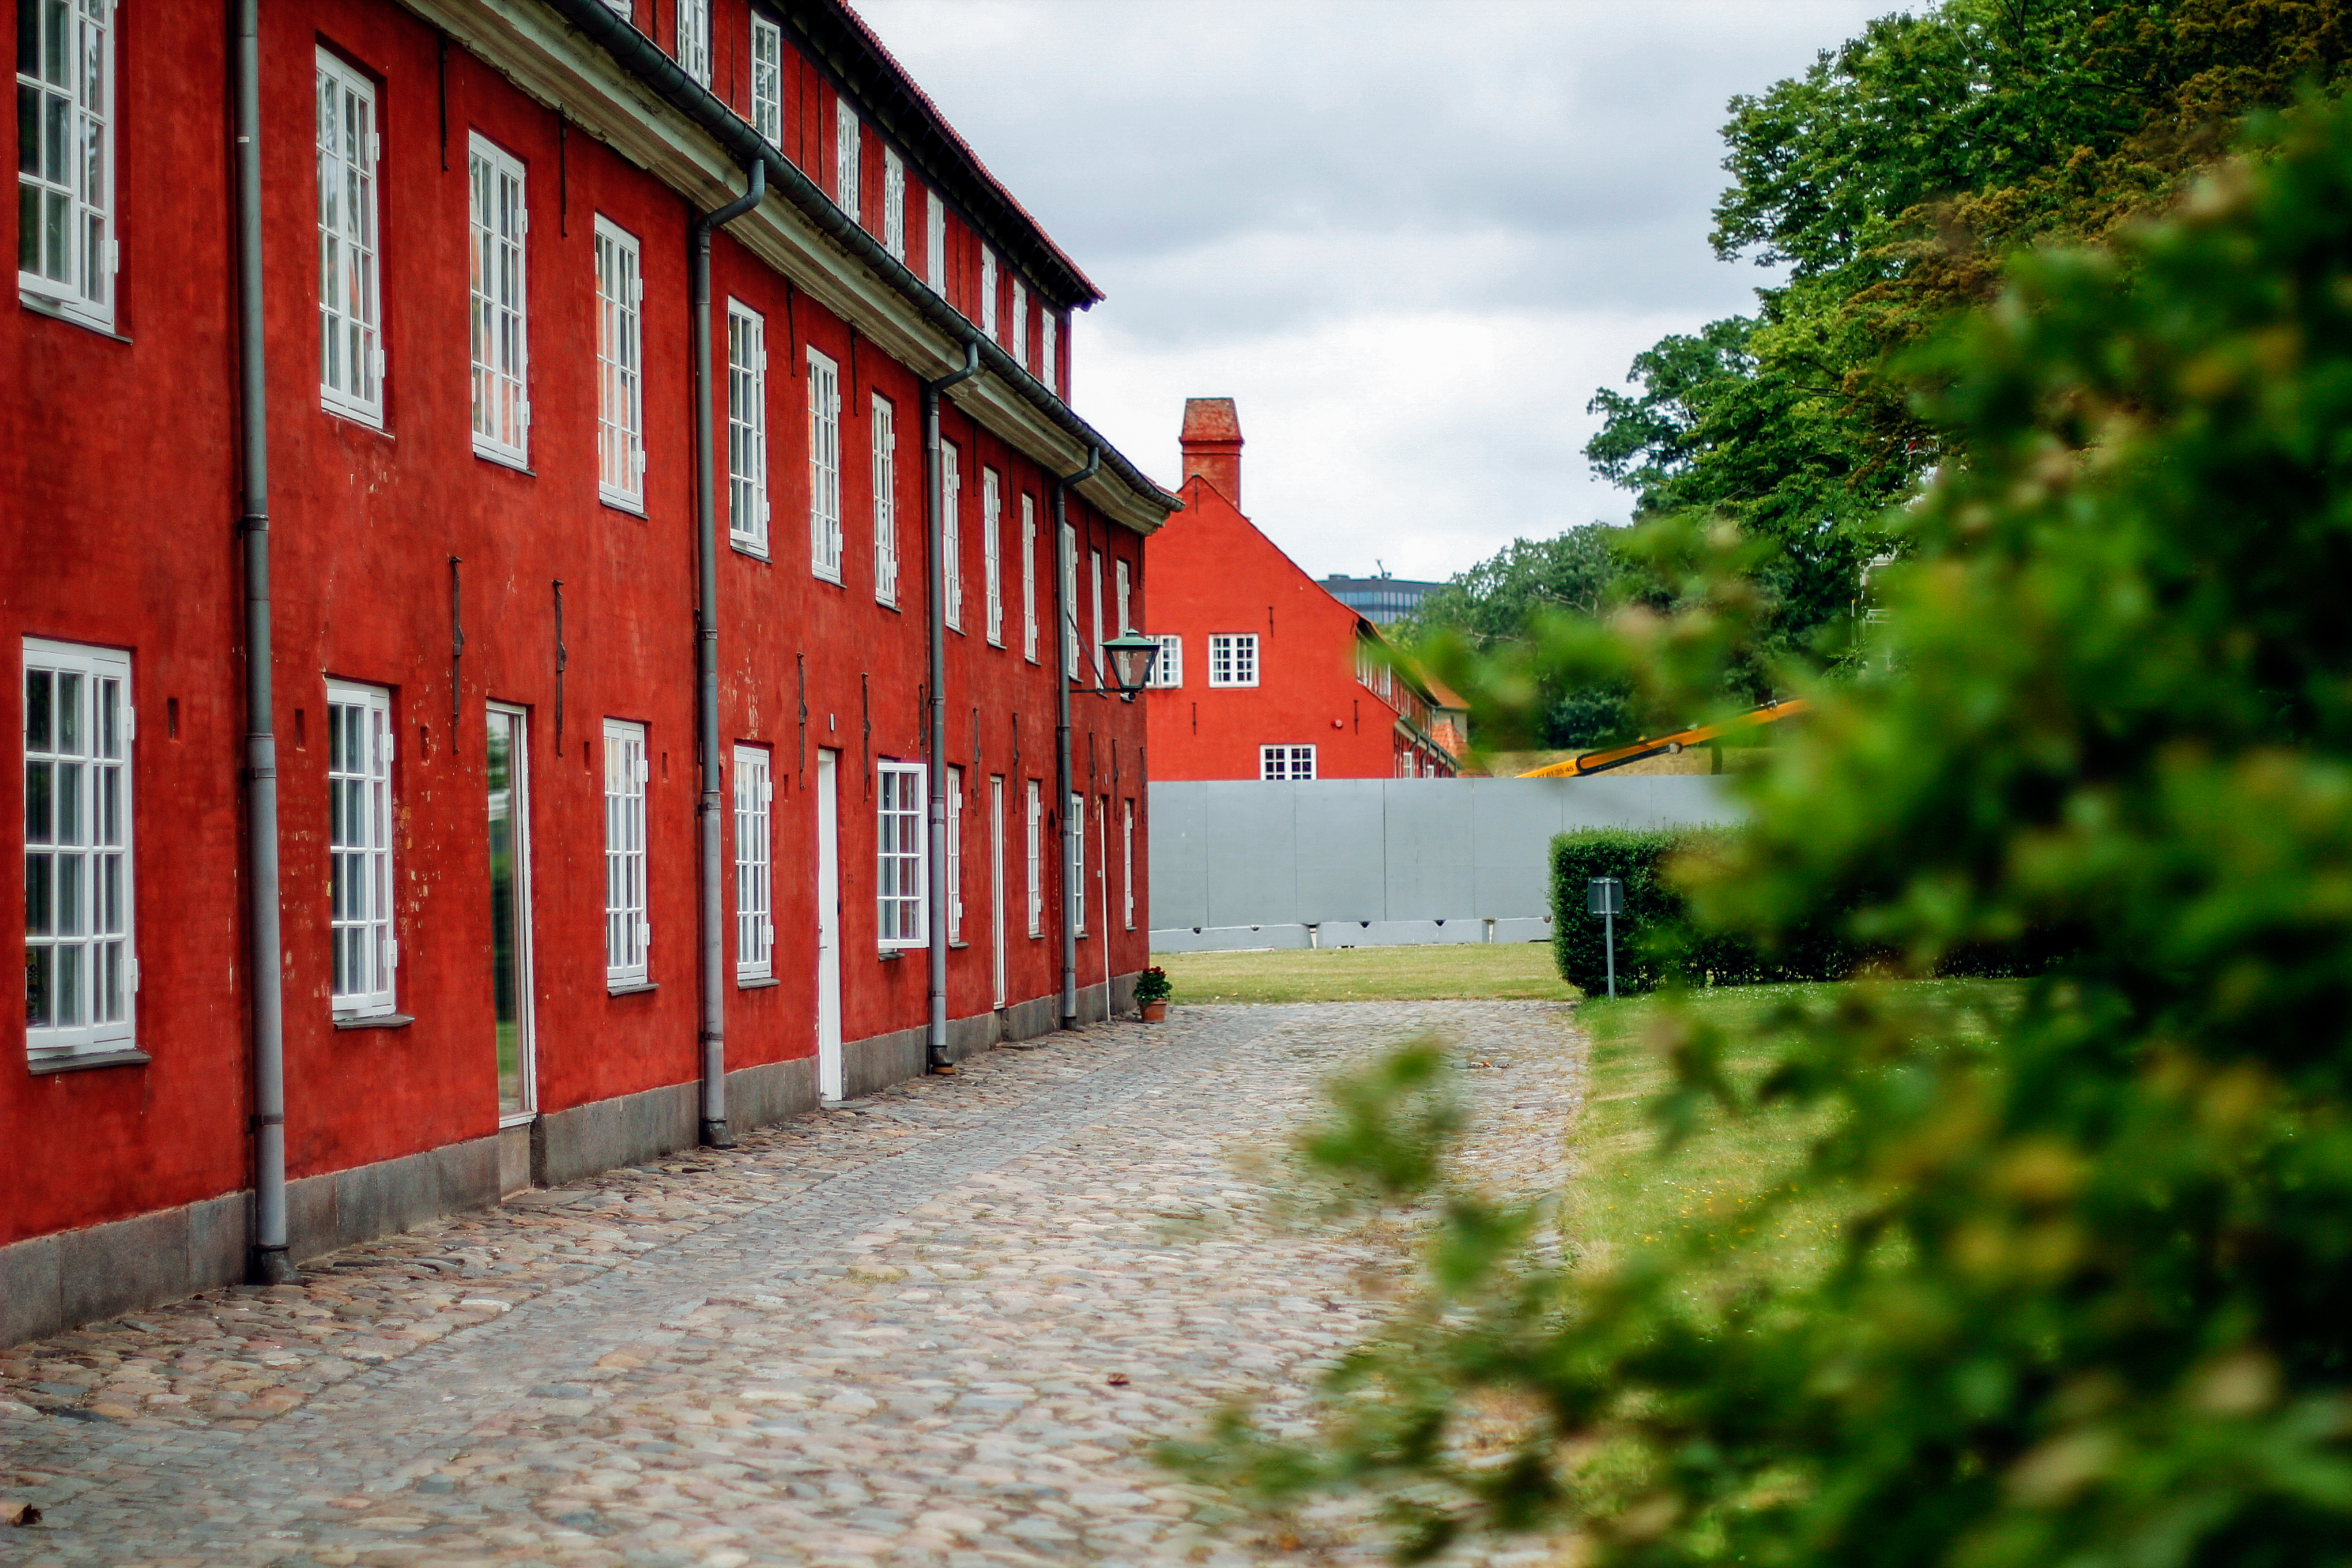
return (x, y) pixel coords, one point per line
(1410, 239)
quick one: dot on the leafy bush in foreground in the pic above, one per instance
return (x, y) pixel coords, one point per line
(2091, 1305)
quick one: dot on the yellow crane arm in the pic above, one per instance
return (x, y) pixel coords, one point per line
(1655, 745)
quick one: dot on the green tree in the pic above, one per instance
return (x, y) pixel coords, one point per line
(2089, 1308)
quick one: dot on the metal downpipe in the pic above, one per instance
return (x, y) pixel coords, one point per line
(272, 1263)
(936, 893)
(1066, 619)
(710, 808)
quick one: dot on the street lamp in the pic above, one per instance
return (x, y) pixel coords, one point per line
(1131, 654)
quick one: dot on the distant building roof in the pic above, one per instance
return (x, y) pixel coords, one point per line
(1382, 599)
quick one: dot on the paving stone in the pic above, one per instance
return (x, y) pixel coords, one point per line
(941, 1325)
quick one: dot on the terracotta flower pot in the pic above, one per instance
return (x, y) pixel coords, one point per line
(1154, 1012)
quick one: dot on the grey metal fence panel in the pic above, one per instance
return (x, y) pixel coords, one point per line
(1429, 838)
(1342, 856)
(1253, 853)
(1511, 828)
(1178, 845)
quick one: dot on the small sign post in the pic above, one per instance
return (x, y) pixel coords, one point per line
(1605, 897)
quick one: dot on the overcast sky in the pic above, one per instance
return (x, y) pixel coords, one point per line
(1410, 238)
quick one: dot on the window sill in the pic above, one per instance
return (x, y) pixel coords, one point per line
(121, 1057)
(41, 305)
(957, 946)
(629, 987)
(750, 551)
(376, 1021)
(373, 422)
(507, 460)
(826, 578)
(760, 983)
(629, 504)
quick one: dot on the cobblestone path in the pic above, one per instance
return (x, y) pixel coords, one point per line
(940, 1326)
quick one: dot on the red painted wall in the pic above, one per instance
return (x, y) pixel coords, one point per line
(1214, 573)
(119, 478)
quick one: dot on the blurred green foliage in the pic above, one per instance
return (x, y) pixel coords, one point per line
(2088, 1308)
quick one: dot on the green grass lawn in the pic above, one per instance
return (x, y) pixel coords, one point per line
(1504, 972)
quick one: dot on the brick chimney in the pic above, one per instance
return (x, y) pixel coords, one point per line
(1213, 445)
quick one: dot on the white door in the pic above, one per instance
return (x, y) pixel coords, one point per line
(829, 1082)
(996, 885)
(507, 771)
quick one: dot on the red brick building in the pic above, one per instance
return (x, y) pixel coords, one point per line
(379, 640)
(1262, 674)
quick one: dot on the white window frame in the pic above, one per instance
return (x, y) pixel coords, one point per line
(1020, 344)
(991, 531)
(1127, 851)
(1123, 597)
(1049, 349)
(988, 290)
(1278, 763)
(693, 18)
(1232, 658)
(1077, 806)
(951, 532)
(350, 303)
(883, 421)
(84, 839)
(755, 864)
(900, 889)
(935, 242)
(1101, 659)
(894, 204)
(70, 181)
(500, 221)
(363, 892)
(824, 465)
(1168, 665)
(1033, 812)
(1070, 600)
(848, 162)
(1028, 576)
(628, 933)
(620, 367)
(767, 80)
(746, 428)
(955, 856)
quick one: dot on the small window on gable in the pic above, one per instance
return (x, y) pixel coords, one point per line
(1167, 668)
(1233, 659)
(767, 80)
(1286, 763)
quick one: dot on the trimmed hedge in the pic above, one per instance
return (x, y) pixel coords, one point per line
(1656, 936)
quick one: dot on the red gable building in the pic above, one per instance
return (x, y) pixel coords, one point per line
(1261, 673)
(477, 730)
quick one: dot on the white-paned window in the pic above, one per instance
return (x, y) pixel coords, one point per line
(620, 368)
(755, 907)
(1233, 659)
(988, 290)
(1127, 858)
(884, 424)
(1033, 818)
(1098, 616)
(847, 161)
(81, 975)
(627, 933)
(361, 894)
(1020, 344)
(1124, 597)
(992, 532)
(824, 465)
(894, 204)
(66, 251)
(899, 848)
(747, 428)
(1077, 841)
(351, 313)
(952, 533)
(1029, 577)
(1069, 601)
(1049, 350)
(501, 388)
(767, 79)
(694, 38)
(1286, 762)
(935, 242)
(955, 855)
(1168, 667)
